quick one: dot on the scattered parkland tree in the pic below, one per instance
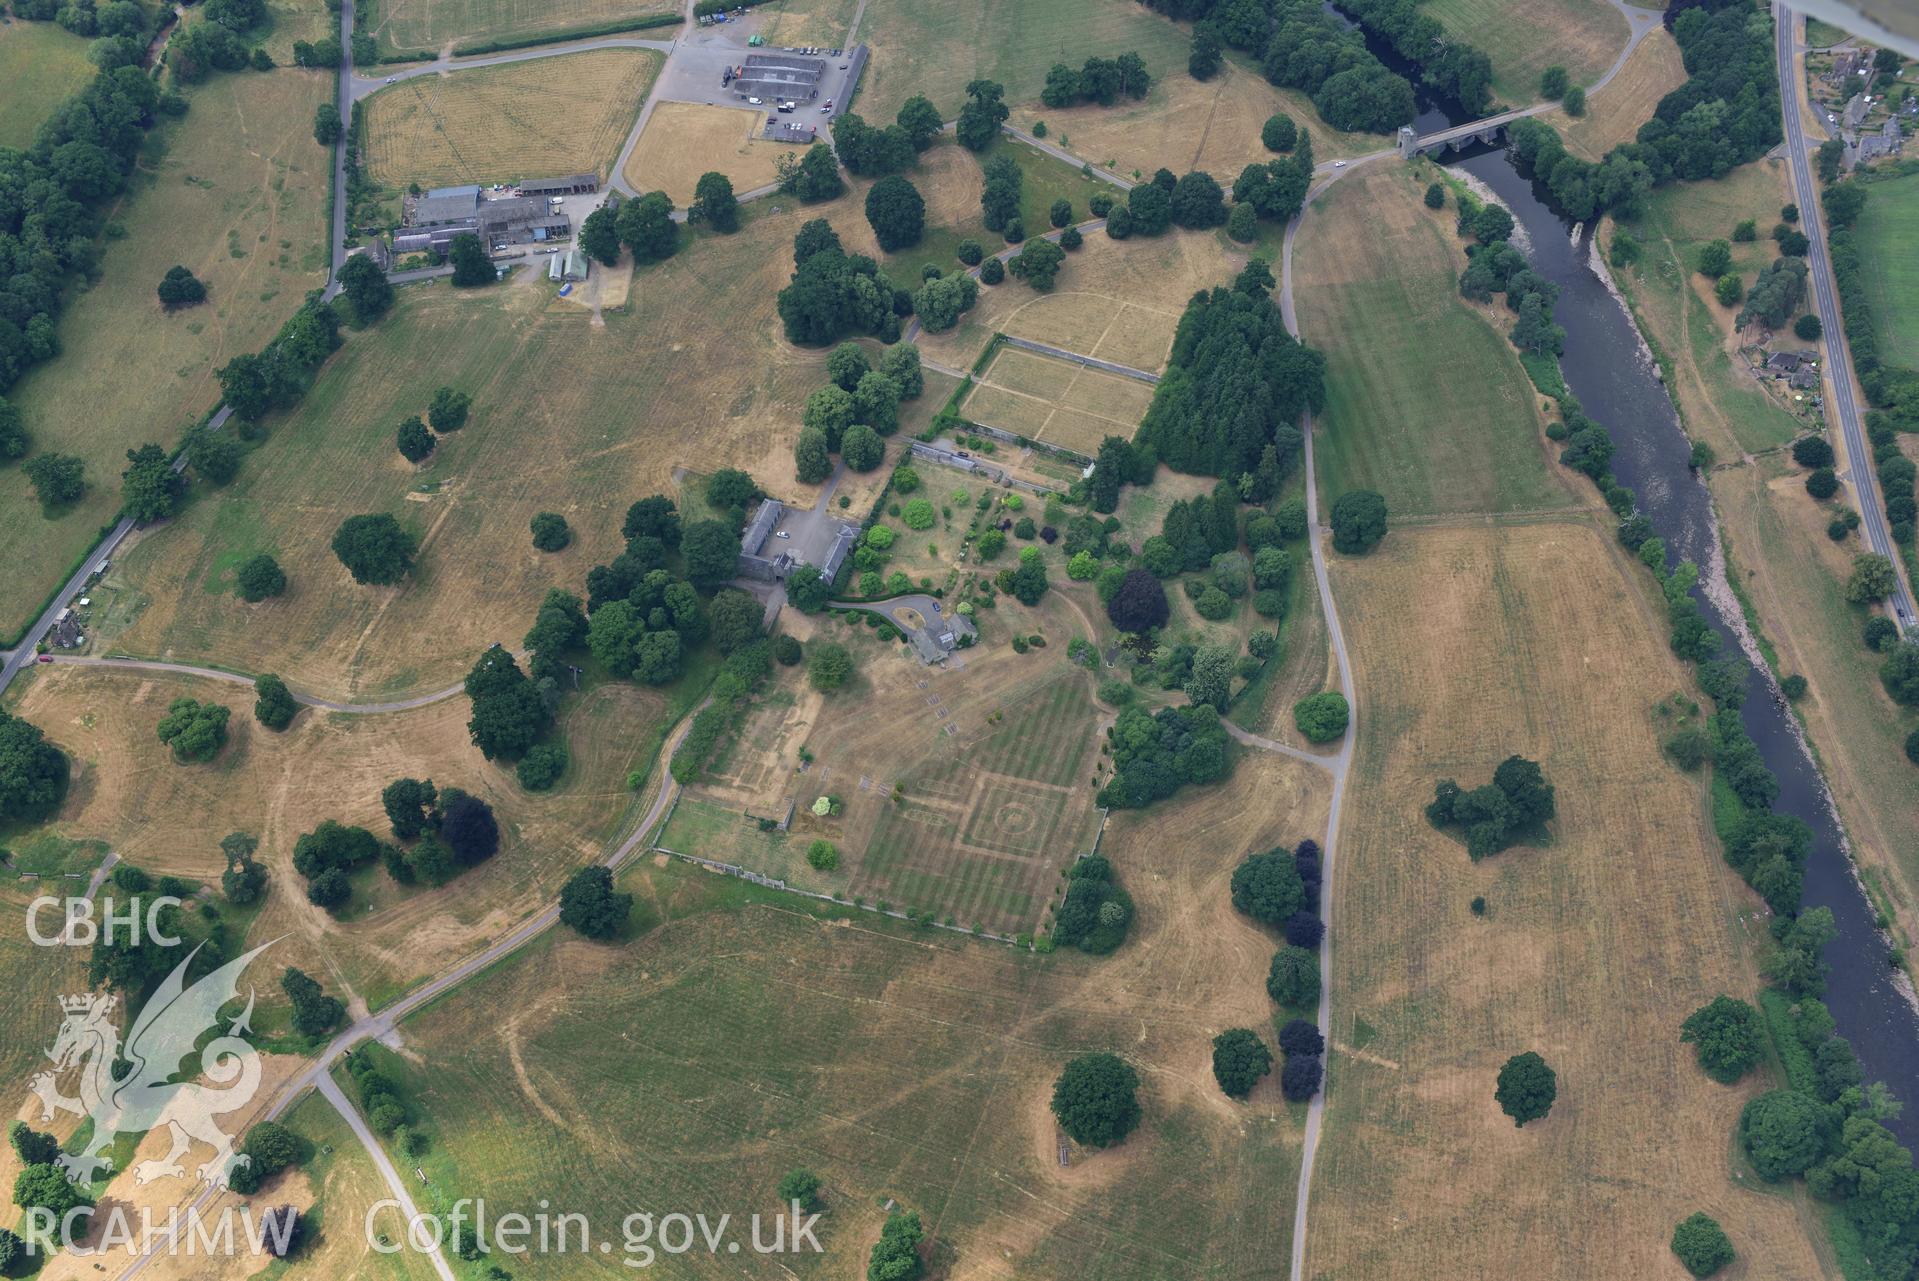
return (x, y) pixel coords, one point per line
(364, 284)
(981, 117)
(314, 1012)
(245, 880)
(896, 1256)
(714, 203)
(1300, 1076)
(1279, 133)
(150, 488)
(1240, 1058)
(414, 441)
(551, 533)
(33, 772)
(1701, 1245)
(1038, 263)
(1096, 1100)
(274, 705)
(1728, 1035)
(1322, 717)
(1140, 603)
(1527, 1088)
(195, 731)
(374, 549)
(600, 236)
(258, 578)
(448, 410)
(646, 227)
(508, 714)
(1359, 521)
(828, 665)
(471, 267)
(801, 1185)
(1268, 888)
(1292, 980)
(1783, 1133)
(181, 288)
(589, 903)
(57, 479)
(326, 124)
(1096, 911)
(1517, 803)
(896, 212)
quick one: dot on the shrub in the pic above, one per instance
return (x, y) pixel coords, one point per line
(918, 514)
(1240, 1058)
(1321, 717)
(1701, 1245)
(823, 856)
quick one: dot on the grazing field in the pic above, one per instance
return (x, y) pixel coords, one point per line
(1426, 399)
(1122, 297)
(933, 47)
(825, 23)
(32, 980)
(236, 191)
(169, 818)
(895, 1062)
(1185, 124)
(1888, 233)
(1056, 401)
(342, 1183)
(1524, 37)
(1533, 640)
(436, 25)
(495, 124)
(41, 66)
(568, 417)
(1613, 117)
(685, 139)
(1675, 304)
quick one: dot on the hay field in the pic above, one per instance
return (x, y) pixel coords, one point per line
(1653, 71)
(1184, 124)
(1675, 303)
(685, 139)
(897, 1063)
(1052, 400)
(1533, 640)
(1426, 399)
(495, 124)
(1524, 37)
(41, 66)
(436, 25)
(1888, 233)
(825, 23)
(933, 47)
(238, 195)
(567, 417)
(169, 818)
(1149, 279)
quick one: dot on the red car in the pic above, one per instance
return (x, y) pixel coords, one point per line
(46, 658)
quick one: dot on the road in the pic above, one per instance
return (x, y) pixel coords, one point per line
(395, 1185)
(1091, 362)
(236, 678)
(316, 1075)
(1845, 403)
(364, 86)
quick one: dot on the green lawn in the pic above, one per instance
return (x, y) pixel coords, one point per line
(741, 1035)
(41, 65)
(1888, 234)
(1524, 37)
(935, 47)
(1427, 401)
(1679, 221)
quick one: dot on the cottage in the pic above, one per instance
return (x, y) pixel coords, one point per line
(1783, 362)
(1805, 378)
(66, 631)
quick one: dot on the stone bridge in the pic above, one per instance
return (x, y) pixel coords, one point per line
(1490, 130)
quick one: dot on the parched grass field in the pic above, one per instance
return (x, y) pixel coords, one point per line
(343, 1184)
(746, 1033)
(935, 48)
(434, 25)
(1426, 400)
(1122, 298)
(825, 23)
(686, 139)
(494, 124)
(567, 417)
(41, 66)
(1184, 124)
(1524, 37)
(1675, 305)
(236, 191)
(1532, 640)
(169, 818)
(1613, 117)
(1888, 234)
(1056, 401)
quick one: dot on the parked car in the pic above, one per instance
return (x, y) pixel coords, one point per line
(756, 102)
(44, 658)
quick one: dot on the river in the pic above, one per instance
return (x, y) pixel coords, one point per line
(1609, 369)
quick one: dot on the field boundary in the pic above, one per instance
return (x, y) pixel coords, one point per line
(612, 28)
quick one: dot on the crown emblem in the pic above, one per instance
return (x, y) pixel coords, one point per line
(86, 1002)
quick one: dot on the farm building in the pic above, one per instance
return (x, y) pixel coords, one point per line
(578, 184)
(432, 220)
(778, 130)
(789, 76)
(576, 266)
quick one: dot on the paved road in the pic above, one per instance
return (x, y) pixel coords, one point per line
(1091, 362)
(1341, 763)
(1845, 404)
(375, 1026)
(395, 1185)
(236, 678)
(1331, 764)
(365, 86)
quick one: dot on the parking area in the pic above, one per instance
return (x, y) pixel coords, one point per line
(707, 68)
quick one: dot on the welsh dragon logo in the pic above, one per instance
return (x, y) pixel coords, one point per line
(129, 1089)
